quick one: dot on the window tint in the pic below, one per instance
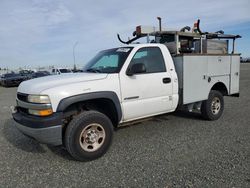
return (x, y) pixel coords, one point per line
(151, 57)
(140, 54)
(107, 61)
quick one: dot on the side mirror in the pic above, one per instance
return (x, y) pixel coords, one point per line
(137, 68)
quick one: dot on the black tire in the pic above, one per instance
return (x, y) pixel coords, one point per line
(208, 109)
(76, 128)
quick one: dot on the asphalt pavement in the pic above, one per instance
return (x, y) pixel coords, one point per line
(174, 150)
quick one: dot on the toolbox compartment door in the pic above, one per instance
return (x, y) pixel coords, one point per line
(195, 85)
(235, 74)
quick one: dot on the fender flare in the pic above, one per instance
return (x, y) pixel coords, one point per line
(66, 102)
(223, 84)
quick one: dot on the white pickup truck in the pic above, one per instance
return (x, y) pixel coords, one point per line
(120, 85)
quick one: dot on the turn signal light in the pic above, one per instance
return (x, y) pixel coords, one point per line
(46, 112)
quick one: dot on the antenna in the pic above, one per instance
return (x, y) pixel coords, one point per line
(74, 54)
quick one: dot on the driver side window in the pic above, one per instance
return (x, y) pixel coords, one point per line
(152, 59)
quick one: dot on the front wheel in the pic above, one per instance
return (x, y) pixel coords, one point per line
(88, 135)
(213, 107)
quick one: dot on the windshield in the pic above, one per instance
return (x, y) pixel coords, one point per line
(65, 70)
(108, 61)
(25, 72)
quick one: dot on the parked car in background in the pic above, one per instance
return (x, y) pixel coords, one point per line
(26, 73)
(245, 60)
(1, 80)
(77, 70)
(40, 74)
(61, 71)
(12, 79)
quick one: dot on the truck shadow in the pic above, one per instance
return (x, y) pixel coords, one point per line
(187, 115)
(61, 152)
(162, 118)
(18, 140)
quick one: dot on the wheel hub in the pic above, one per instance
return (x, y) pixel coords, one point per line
(216, 105)
(92, 137)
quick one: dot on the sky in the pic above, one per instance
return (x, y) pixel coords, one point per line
(37, 33)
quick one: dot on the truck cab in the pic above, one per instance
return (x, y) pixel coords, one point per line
(148, 82)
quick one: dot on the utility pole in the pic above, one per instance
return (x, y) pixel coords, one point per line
(74, 54)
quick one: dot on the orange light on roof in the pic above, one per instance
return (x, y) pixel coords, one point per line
(138, 30)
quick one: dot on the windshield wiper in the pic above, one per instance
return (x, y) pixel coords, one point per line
(93, 70)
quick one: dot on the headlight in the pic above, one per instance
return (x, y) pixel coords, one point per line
(42, 99)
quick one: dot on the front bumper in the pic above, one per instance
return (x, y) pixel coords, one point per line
(47, 130)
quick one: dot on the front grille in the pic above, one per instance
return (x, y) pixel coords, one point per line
(22, 97)
(22, 110)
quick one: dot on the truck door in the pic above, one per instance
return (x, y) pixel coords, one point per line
(148, 93)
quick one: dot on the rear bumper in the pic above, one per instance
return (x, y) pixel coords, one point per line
(47, 130)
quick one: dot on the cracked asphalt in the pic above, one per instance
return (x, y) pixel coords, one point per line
(173, 150)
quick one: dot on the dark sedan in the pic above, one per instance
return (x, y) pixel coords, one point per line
(40, 74)
(12, 79)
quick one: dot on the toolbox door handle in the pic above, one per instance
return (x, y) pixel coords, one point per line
(166, 80)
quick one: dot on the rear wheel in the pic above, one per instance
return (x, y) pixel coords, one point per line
(88, 135)
(213, 107)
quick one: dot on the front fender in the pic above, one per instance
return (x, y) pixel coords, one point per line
(66, 102)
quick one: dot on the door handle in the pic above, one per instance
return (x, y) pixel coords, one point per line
(166, 80)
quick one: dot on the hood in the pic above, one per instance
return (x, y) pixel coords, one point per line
(37, 85)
